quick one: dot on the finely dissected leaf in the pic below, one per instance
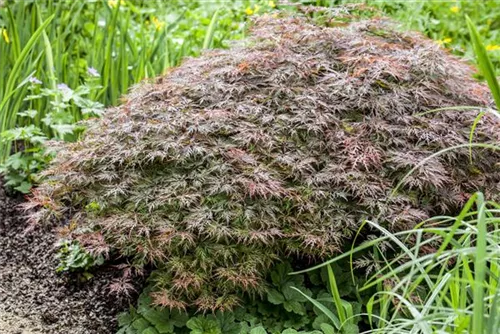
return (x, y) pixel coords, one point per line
(281, 146)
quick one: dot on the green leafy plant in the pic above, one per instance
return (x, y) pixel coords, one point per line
(282, 310)
(21, 168)
(74, 258)
(343, 320)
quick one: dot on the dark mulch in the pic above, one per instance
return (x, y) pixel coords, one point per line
(33, 297)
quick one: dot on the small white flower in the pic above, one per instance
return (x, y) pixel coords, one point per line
(34, 80)
(63, 86)
(93, 72)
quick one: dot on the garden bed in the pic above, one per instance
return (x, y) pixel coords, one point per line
(33, 297)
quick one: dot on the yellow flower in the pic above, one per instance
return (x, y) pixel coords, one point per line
(455, 9)
(5, 35)
(272, 4)
(256, 8)
(491, 47)
(444, 41)
(114, 3)
(158, 24)
(249, 11)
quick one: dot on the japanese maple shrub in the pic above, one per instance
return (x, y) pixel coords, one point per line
(277, 148)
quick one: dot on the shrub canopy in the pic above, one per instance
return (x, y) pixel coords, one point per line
(276, 148)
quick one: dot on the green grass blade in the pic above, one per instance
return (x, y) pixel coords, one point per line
(484, 62)
(209, 36)
(333, 318)
(336, 295)
(480, 267)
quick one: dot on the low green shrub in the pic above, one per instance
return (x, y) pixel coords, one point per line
(284, 310)
(276, 149)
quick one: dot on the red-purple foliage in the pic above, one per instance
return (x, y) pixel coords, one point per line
(277, 148)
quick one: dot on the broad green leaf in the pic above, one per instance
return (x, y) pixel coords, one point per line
(275, 297)
(140, 324)
(258, 330)
(295, 307)
(289, 331)
(291, 294)
(350, 329)
(124, 319)
(227, 323)
(202, 325)
(24, 188)
(150, 330)
(178, 318)
(319, 320)
(160, 319)
(327, 329)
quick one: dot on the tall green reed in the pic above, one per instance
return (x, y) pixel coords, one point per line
(124, 41)
(484, 62)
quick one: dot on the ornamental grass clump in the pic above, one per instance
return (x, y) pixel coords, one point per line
(275, 149)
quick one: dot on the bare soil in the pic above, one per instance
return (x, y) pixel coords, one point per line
(34, 299)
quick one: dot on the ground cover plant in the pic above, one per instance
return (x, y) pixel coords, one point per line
(238, 159)
(284, 309)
